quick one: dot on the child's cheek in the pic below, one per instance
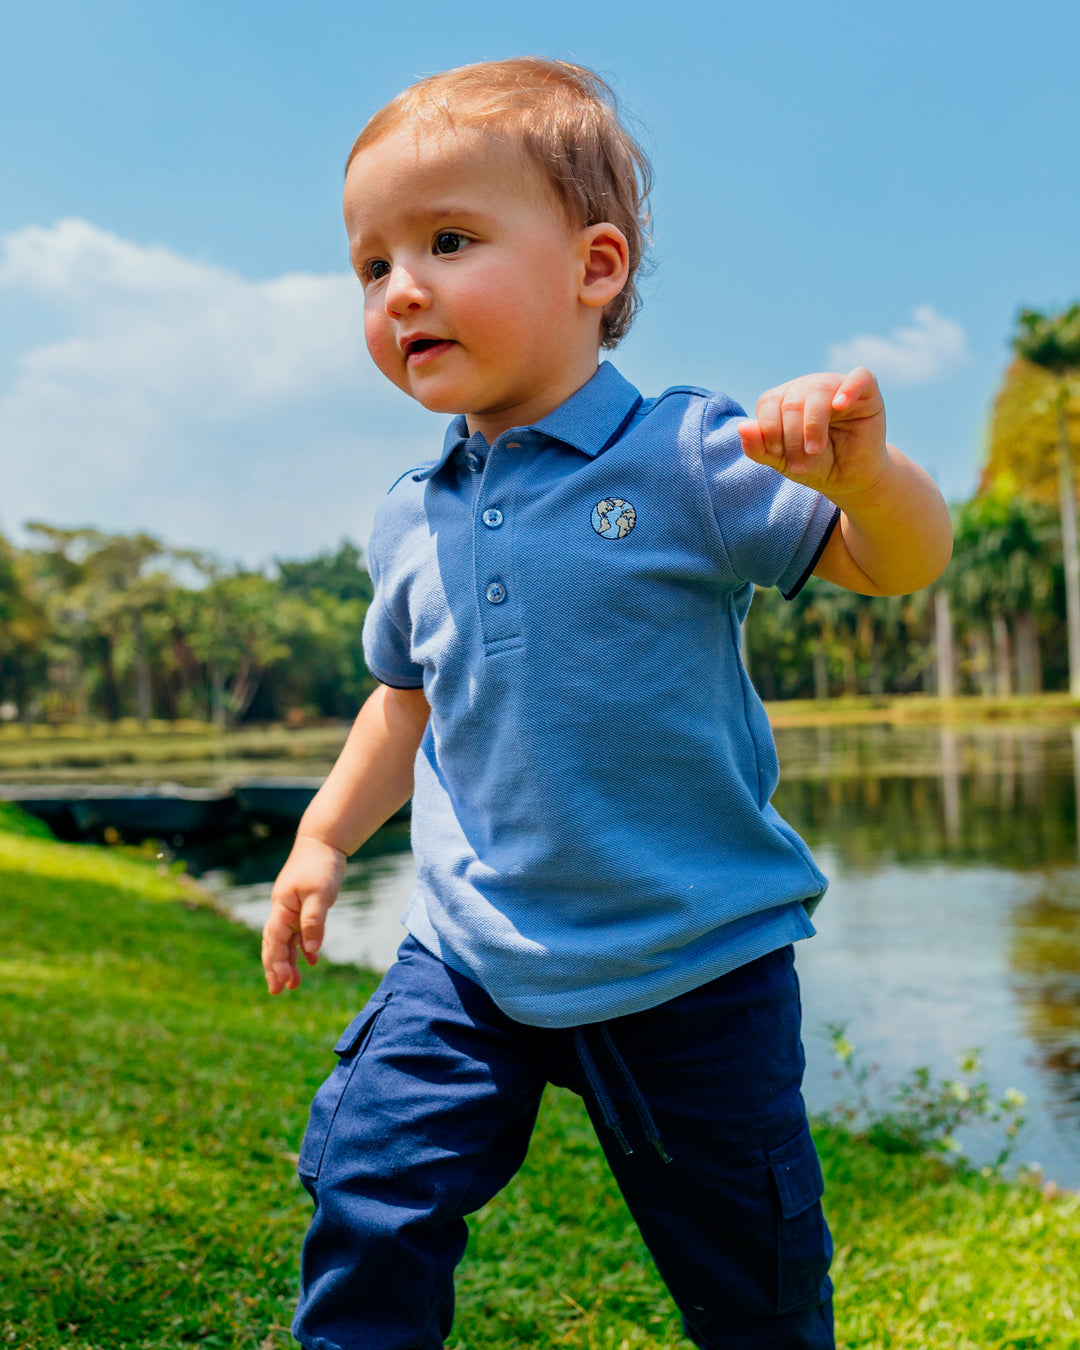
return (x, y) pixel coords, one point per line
(381, 344)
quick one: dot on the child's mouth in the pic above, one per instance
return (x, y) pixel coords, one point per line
(420, 347)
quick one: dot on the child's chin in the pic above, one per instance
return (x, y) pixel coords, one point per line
(437, 400)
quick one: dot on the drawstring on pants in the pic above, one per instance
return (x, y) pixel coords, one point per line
(603, 1100)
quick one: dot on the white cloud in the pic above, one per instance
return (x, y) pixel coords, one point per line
(184, 398)
(930, 349)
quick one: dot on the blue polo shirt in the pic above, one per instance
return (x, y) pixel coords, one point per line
(591, 818)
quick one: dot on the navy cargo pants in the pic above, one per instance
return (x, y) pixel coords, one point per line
(696, 1102)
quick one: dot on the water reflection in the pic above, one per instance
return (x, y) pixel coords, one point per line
(932, 794)
(953, 917)
(1045, 960)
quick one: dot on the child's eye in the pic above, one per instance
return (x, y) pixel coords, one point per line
(449, 242)
(375, 271)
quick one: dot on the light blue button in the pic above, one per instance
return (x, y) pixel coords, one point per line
(496, 592)
(492, 517)
(474, 461)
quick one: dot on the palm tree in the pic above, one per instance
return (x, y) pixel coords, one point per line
(1002, 574)
(943, 644)
(1052, 342)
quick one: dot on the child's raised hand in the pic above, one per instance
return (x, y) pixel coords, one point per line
(826, 430)
(305, 889)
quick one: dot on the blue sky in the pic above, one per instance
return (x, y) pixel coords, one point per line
(180, 346)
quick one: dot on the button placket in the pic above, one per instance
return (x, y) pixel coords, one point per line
(493, 549)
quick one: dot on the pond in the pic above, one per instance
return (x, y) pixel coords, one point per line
(952, 920)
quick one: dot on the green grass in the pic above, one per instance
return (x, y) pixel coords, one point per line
(14, 820)
(152, 1098)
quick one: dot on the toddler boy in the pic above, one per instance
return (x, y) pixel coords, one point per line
(605, 897)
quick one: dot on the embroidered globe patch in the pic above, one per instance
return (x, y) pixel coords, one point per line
(613, 518)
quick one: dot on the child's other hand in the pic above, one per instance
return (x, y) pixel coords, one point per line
(304, 891)
(826, 430)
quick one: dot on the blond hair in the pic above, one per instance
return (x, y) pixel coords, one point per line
(565, 119)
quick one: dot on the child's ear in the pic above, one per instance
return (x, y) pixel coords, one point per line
(605, 256)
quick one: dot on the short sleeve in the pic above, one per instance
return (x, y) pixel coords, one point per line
(387, 629)
(773, 530)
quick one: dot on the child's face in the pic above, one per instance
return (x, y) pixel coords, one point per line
(473, 278)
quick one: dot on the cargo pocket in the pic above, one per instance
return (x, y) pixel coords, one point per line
(804, 1247)
(324, 1108)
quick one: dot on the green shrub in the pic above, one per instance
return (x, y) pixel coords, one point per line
(923, 1113)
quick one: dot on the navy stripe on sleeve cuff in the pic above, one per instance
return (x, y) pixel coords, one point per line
(390, 684)
(809, 571)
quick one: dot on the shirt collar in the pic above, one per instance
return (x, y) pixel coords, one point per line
(588, 421)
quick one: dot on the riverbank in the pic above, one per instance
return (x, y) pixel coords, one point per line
(192, 752)
(195, 752)
(1029, 709)
(154, 1098)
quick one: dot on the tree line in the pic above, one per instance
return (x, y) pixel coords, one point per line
(100, 626)
(997, 617)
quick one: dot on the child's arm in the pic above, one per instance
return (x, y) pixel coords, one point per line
(828, 431)
(373, 778)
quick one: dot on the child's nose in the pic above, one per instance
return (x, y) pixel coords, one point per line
(404, 291)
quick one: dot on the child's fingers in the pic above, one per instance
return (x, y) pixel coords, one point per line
(857, 385)
(755, 447)
(281, 968)
(280, 937)
(793, 422)
(753, 442)
(792, 415)
(304, 891)
(817, 413)
(770, 418)
(313, 924)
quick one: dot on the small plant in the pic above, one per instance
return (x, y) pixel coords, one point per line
(922, 1113)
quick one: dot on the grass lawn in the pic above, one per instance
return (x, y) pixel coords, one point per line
(152, 1098)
